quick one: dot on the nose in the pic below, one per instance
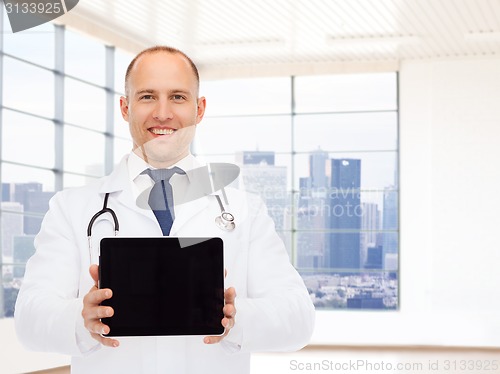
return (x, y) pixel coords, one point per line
(162, 110)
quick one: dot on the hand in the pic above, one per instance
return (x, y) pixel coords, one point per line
(93, 312)
(229, 313)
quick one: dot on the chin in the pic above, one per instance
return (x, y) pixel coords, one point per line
(163, 157)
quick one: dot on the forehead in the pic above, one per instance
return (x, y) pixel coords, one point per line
(161, 70)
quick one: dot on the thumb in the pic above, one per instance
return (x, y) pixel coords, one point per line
(94, 272)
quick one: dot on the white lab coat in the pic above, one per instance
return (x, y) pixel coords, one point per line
(274, 311)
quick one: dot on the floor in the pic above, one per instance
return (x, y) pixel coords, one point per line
(60, 370)
(380, 360)
(321, 359)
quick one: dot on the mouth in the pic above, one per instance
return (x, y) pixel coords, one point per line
(161, 131)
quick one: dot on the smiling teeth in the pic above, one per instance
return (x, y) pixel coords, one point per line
(162, 131)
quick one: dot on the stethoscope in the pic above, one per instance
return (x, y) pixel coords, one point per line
(104, 210)
(224, 222)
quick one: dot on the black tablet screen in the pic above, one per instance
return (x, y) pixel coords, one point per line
(163, 286)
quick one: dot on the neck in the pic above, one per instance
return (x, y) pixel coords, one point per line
(158, 162)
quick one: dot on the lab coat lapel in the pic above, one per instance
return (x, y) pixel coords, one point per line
(190, 195)
(119, 182)
(185, 211)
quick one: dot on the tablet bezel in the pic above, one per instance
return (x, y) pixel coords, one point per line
(189, 270)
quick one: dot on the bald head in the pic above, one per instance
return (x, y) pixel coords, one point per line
(160, 49)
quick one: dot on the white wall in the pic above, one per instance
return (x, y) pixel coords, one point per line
(450, 213)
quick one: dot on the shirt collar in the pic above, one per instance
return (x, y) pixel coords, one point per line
(136, 165)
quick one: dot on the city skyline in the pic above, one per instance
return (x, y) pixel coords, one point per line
(337, 232)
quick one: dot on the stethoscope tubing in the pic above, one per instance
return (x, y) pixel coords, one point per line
(104, 210)
(225, 221)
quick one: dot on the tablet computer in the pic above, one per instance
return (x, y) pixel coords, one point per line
(163, 285)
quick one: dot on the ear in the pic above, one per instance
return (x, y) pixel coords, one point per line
(202, 104)
(124, 107)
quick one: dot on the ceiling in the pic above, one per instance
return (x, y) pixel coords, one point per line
(262, 37)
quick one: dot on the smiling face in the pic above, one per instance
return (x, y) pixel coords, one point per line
(162, 107)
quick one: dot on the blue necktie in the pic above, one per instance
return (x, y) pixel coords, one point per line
(161, 199)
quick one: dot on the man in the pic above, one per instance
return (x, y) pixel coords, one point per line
(267, 307)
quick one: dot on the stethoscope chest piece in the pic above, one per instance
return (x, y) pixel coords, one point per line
(225, 221)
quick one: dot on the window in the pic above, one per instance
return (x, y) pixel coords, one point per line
(84, 105)
(83, 151)
(23, 135)
(322, 152)
(46, 126)
(25, 195)
(37, 47)
(84, 58)
(21, 94)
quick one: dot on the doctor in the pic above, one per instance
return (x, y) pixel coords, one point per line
(267, 306)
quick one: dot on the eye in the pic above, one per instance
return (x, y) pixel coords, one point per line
(146, 97)
(178, 97)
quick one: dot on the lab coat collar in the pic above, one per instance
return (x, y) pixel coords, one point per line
(136, 165)
(119, 181)
(119, 184)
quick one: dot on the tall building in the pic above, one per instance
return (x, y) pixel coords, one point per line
(390, 223)
(255, 158)
(6, 192)
(311, 221)
(312, 214)
(24, 248)
(317, 169)
(259, 175)
(370, 225)
(23, 206)
(365, 301)
(12, 226)
(19, 190)
(36, 203)
(34, 200)
(374, 258)
(304, 186)
(345, 214)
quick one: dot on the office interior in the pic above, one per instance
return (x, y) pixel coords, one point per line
(410, 89)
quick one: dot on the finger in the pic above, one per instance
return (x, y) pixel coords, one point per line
(106, 341)
(215, 339)
(228, 323)
(95, 326)
(229, 311)
(229, 314)
(92, 319)
(212, 339)
(230, 295)
(95, 313)
(94, 273)
(97, 296)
